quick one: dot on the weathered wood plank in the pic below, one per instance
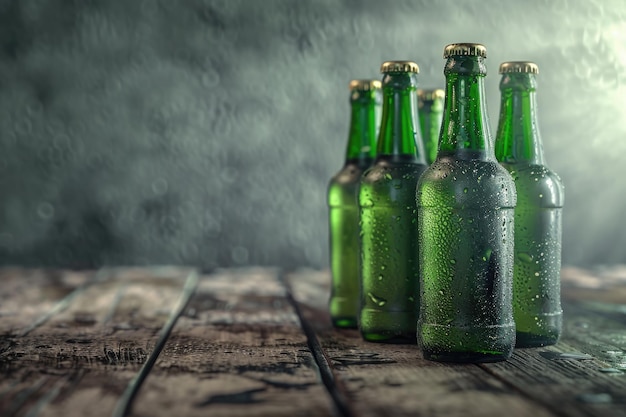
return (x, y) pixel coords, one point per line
(26, 295)
(581, 375)
(82, 359)
(238, 351)
(394, 380)
(605, 285)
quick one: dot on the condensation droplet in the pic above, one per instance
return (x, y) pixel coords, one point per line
(379, 301)
(45, 210)
(239, 255)
(525, 257)
(160, 186)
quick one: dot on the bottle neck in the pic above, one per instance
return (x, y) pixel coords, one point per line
(465, 130)
(400, 138)
(518, 139)
(430, 113)
(364, 123)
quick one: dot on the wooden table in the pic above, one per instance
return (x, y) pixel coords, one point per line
(167, 341)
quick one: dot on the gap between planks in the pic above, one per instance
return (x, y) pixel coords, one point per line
(335, 387)
(124, 404)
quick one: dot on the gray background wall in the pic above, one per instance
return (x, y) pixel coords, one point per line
(204, 132)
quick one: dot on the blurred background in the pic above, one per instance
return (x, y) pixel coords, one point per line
(205, 132)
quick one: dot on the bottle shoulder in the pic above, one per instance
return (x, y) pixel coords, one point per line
(390, 184)
(342, 187)
(383, 172)
(537, 185)
(466, 184)
(349, 174)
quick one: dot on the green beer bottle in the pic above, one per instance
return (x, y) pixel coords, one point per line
(466, 203)
(389, 268)
(537, 266)
(430, 111)
(365, 100)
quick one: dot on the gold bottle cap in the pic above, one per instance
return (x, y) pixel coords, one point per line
(430, 95)
(467, 49)
(389, 67)
(365, 85)
(519, 66)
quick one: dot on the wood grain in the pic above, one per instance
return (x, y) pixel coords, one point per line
(81, 360)
(394, 380)
(587, 380)
(251, 342)
(238, 351)
(27, 295)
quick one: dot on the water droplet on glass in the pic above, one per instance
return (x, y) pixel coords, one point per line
(379, 301)
(525, 257)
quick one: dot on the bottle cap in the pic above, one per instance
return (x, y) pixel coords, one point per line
(399, 66)
(365, 85)
(519, 66)
(430, 95)
(467, 49)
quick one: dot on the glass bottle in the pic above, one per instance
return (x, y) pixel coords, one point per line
(365, 101)
(537, 266)
(466, 203)
(430, 103)
(389, 267)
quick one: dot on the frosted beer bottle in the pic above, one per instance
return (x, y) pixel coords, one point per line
(389, 268)
(466, 203)
(536, 277)
(343, 205)
(430, 103)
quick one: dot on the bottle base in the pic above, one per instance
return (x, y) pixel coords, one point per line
(529, 340)
(344, 322)
(466, 344)
(538, 330)
(466, 357)
(388, 326)
(343, 312)
(390, 337)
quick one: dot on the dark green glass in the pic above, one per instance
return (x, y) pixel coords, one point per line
(365, 100)
(537, 266)
(466, 203)
(431, 112)
(389, 267)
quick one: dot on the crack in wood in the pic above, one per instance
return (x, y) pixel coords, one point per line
(124, 404)
(334, 386)
(64, 302)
